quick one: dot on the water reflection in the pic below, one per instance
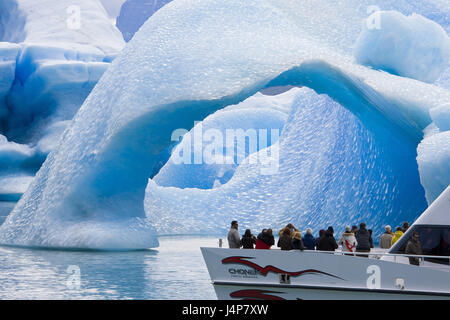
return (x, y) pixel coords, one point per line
(175, 270)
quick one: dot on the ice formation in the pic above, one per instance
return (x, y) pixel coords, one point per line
(411, 46)
(189, 60)
(353, 175)
(52, 53)
(209, 154)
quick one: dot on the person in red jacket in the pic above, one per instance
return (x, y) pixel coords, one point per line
(265, 239)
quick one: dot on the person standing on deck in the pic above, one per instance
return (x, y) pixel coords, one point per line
(297, 243)
(364, 240)
(265, 239)
(414, 247)
(327, 242)
(285, 240)
(386, 238)
(234, 240)
(405, 226)
(398, 234)
(309, 241)
(248, 240)
(348, 240)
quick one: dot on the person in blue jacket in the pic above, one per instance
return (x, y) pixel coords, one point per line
(309, 241)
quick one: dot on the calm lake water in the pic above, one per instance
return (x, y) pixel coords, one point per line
(175, 270)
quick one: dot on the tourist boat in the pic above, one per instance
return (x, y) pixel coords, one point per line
(247, 274)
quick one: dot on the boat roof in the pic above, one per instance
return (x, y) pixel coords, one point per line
(438, 213)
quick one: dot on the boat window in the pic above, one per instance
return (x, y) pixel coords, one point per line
(434, 240)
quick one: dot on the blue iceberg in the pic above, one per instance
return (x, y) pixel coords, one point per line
(49, 62)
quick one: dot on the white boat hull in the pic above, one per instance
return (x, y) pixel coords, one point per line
(267, 292)
(256, 274)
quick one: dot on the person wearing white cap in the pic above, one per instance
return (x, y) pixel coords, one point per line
(386, 238)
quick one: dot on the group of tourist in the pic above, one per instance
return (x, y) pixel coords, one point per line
(354, 239)
(388, 238)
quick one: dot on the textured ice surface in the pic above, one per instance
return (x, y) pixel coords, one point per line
(332, 171)
(410, 46)
(192, 58)
(134, 13)
(210, 158)
(434, 164)
(441, 116)
(8, 56)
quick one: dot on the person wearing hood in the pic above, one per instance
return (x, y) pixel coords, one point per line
(364, 240)
(297, 243)
(386, 238)
(348, 240)
(265, 239)
(309, 241)
(327, 242)
(414, 247)
(289, 227)
(285, 241)
(397, 235)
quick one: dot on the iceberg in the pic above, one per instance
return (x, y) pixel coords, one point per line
(434, 163)
(411, 46)
(209, 154)
(332, 171)
(52, 54)
(8, 56)
(193, 58)
(56, 56)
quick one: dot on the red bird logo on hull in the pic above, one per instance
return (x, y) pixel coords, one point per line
(265, 270)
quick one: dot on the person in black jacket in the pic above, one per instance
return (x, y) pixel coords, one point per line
(248, 240)
(265, 239)
(297, 243)
(284, 243)
(364, 240)
(327, 242)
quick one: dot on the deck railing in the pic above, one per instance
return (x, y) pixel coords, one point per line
(375, 254)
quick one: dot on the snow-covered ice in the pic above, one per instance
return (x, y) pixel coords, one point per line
(411, 46)
(52, 53)
(57, 51)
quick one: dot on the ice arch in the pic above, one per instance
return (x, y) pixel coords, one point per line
(89, 192)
